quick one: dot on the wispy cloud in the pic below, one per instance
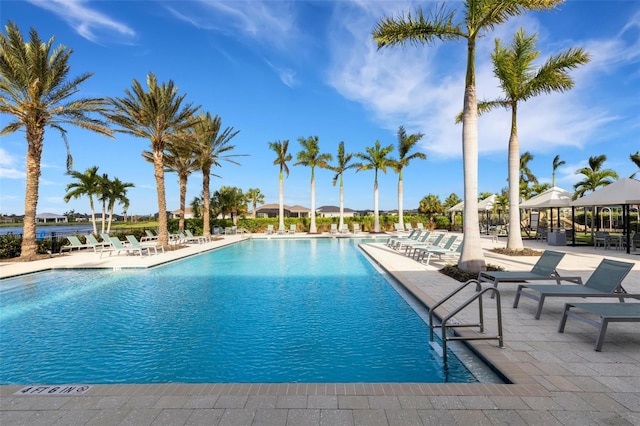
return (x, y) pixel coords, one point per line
(287, 75)
(88, 22)
(267, 22)
(8, 166)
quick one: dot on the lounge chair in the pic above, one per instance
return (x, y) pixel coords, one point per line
(269, 230)
(544, 269)
(408, 227)
(202, 238)
(75, 244)
(150, 236)
(355, 227)
(334, 229)
(608, 312)
(183, 238)
(133, 242)
(398, 228)
(117, 245)
(410, 247)
(605, 280)
(231, 230)
(420, 226)
(281, 231)
(440, 253)
(391, 241)
(293, 228)
(97, 244)
(421, 252)
(344, 229)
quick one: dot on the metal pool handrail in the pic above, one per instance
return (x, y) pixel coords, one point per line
(476, 296)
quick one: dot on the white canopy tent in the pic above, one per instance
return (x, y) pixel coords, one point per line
(485, 205)
(551, 198)
(624, 192)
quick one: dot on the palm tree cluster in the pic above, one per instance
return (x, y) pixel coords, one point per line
(374, 158)
(36, 90)
(518, 79)
(109, 192)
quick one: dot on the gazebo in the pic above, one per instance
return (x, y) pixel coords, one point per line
(624, 192)
(551, 198)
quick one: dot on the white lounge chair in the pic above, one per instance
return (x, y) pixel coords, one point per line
(356, 228)
(133, 242)
(269, 230)
(334, 228)
(292, 228)
(117, 245)
(75, 244)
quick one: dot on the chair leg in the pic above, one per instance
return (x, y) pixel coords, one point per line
(563, 320)
(601, 333)
(516, 300)
(540, 303)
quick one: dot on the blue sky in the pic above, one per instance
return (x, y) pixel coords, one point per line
(278, 70)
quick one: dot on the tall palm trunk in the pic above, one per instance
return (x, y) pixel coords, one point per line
(312, 229)
(281, 203)
(29, 248)
(206, 200)
(400, 201)
(163, 234)
(341, 204)
(376, 217)
(104, 215)
(514, 240)
(111, 208)
(471, 258)
(93, 215)
(183, 197)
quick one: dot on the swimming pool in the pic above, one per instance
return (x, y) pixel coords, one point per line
(269, 311)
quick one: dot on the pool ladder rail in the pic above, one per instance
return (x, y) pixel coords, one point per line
(449, 322)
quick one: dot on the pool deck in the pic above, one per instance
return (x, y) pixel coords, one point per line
(558, 379)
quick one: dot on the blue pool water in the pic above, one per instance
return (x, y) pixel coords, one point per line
(275, 311)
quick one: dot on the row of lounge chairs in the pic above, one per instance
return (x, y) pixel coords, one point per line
(147, 244)
(422, 245)
(293, 228)
(605, 282)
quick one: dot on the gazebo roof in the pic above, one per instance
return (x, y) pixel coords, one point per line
(552, 197)
(623, 191)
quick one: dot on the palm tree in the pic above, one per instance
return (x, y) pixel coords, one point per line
(86, 184)
(342, 165)
(556, 163)
(526, 176)
(311, 157)
(281, 148)
(117, 195)
(230, 200)
(376, 159)
(196, 206)
(480, 16)
(520, 81)
(36, 90)
(213, 146)
(635, 158)
(430, 205)
(451, 200)
(180, 158)
(594, 178)
(103, 196)
(255, 197)
(405, 144)
(157, 115)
